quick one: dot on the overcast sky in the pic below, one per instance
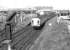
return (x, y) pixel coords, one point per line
(57, 4)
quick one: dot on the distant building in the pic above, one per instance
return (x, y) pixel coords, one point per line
(42, 10)
(43, 7)
(63, 12)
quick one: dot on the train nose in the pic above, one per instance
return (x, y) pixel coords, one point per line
(35, 22)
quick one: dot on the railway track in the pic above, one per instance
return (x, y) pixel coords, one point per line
(28, 37)
(21, 37)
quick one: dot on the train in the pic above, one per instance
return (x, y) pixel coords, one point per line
(35, 21)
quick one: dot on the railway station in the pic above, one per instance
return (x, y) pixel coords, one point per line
(25, 29)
